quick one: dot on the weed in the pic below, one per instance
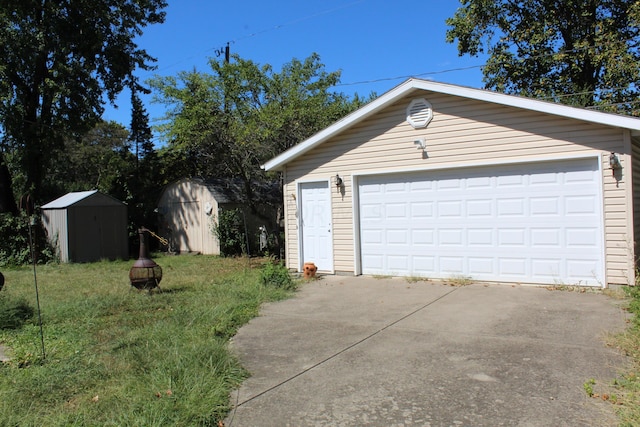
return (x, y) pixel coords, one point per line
(459, 280)
(275, 274)
(588, 386)
(415, 279)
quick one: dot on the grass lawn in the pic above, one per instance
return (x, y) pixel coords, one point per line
(116, 356)
(624, 392)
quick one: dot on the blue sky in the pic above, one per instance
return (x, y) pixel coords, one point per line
(376, 44)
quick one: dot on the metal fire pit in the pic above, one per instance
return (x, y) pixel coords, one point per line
(145, 273)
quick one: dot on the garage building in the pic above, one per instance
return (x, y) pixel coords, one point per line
(437, 180)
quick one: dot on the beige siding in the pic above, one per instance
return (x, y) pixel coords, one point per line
(183, 219)
(462, 133)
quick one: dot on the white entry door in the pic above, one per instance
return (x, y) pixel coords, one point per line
(530, 223)
(315, 218)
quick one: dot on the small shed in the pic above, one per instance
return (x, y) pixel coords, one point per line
(87, 226)
(438, 180)
(188, 211)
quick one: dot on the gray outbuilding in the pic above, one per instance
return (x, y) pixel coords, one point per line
(87, 226)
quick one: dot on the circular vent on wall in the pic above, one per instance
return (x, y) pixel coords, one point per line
(419, 113)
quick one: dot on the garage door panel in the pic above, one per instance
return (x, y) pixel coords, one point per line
(538, 223)
(424, 237)
(512, 237)
(582, 270)
(512, 206)
(581, 205)
(398, 237)
(544, 206)
(481, 266)
(545, 179)
(396, 210)
(513, 267)
(450, 208)
(452, 265)
(480, 237)
(510, 181)
(478, 183)
(582, 238)
(421, 210)
(479, 208)
(546, 237)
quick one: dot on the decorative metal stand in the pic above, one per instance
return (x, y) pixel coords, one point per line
(145, 273)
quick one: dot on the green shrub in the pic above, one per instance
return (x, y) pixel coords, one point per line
(230, 231)
(14, 312)
(277, 275)
(14, 241)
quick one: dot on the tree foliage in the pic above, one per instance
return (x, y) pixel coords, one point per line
(59, 59)
(579, 52)
(228, 122)
(99, 160)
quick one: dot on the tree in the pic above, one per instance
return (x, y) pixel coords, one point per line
(146, 190)
(229, 122)
(578, 52)
(99, 160)
(59, 61)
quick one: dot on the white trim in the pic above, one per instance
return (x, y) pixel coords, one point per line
(299, 223)
(484, 163)
(603, 223)
(628, 171)
(355, 214)
(614, 120)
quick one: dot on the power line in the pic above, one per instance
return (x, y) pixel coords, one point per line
(298, 20)
(219, 51)
(404, 77)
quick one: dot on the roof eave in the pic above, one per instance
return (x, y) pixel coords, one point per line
(278, 162)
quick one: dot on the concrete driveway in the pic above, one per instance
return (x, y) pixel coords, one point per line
(361, 351)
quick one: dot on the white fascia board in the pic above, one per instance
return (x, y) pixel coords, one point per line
(608, 119)
(615, 120)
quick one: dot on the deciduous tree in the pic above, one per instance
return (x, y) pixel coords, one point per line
(228, 122)
(59, 61)
(579, 52)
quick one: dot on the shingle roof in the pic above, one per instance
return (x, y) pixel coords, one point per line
(231, 190)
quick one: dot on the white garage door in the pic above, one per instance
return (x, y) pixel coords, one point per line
(528, 223)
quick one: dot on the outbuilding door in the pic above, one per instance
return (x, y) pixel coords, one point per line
(315, 223)
(525, 223)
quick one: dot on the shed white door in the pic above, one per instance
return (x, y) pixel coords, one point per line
(528, 223)
(315, 207)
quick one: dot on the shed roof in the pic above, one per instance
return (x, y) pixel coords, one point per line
(77, 197)
(388, 98)
(231, 190)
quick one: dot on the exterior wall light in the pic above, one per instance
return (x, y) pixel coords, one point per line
(420, 144)
(614, 163)
(339, 182)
